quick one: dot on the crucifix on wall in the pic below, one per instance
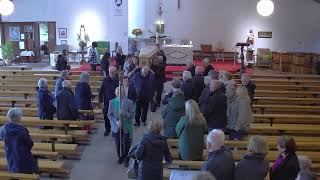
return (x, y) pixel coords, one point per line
(179, 4)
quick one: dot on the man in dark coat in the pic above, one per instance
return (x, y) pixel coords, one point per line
(143, 83)
(158, 67)
(18, 145)
(67, 108)
(107, 89)
(191, 68)
(187, 86)
(207, 66)
(104, 64)
(215, 108)
(129, 90)
(46, 108)
(58, 84)
(198, 84)
(220, 161)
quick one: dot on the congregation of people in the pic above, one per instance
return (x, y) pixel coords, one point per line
(205, 102)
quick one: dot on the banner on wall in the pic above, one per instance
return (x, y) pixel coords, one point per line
(117, 8)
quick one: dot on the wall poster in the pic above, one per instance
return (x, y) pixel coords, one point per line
(14, 33)
(117, 7)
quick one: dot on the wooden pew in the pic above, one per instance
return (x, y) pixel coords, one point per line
(46, 166)
(288, 87)
(285, 109)
(287, 76)
(301, 145)
(259, 81)
(4, 82)
(36, 77)
(286, 119)
(26, 72)
(18, 176)
(291, 94)
(41, 154)
(297, 129)
(34, 111)
(33, 88)
(63, 149)
(286, 101)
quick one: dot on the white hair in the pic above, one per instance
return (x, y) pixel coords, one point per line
(42, 82)
(207, 80)
(14, 115)
(206, 60)
(66, 84)
(112, 71)
(84, 77)
(245, 79)
(186, 75)
(304, 162)
(64, 73)
(216, 138)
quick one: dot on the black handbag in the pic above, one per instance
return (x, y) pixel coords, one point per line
(132, 171)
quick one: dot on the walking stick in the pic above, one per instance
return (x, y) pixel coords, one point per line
(120, 115)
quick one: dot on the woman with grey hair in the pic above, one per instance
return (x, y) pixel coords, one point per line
(83, 96)
(18, 144)
(254, 165)
(187, 85)
(245, 80)
(46, 107)
(150, 152)
(305, 166)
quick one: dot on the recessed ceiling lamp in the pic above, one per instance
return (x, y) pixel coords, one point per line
(6, 7)
(265, 7)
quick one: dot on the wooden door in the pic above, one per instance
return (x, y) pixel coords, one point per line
(52, 36)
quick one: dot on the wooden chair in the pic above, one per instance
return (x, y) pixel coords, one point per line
(206, 51)
(220, 51)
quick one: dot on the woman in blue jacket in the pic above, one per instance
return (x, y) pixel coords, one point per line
(18, 145)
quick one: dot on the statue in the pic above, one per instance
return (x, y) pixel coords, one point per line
(83, 39)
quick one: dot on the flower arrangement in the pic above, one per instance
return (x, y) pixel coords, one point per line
(137, 32)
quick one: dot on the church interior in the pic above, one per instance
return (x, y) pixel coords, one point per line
(160, 89)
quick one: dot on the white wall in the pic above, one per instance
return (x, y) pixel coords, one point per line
(96, 15)
(136, 14)
(295, 23)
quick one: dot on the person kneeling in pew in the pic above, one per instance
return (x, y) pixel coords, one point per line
(18, 145)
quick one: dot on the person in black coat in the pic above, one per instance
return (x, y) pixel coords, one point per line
(143, 83)
(106, 93)
(62, 63)
(104, 64)
(46, 108)
(215, 110)
(191, 68)
(205, 93)
(150, 152)
(129, 90)
(220, 161)
(286, 167)
(254, 165)
(158, 68)
(245, 80)
(187, 85)
(207, 66)
(120, 58)
(198, 84)
(83, 98)
(67, 108)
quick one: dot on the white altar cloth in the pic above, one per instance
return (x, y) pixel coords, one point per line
(178, 54)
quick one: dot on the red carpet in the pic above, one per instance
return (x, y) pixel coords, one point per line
(176, 71)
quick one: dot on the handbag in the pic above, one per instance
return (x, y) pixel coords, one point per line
(132, 171)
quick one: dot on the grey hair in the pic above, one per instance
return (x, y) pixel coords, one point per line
(186, 75)
(204, 175)
(198, 70)
(66, 84)
(206, 60)
(42, 82)
(227, 76)
(176, 83)
(245, 79)
(84, 77)
(216, 137)
(258, 145)
(14, 115)
(155, 126)
(230, 91)
(217, 84)
(304, 162)
(64, 73)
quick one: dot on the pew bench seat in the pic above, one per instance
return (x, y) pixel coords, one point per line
(18, 176)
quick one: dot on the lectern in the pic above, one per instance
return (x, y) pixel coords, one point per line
(242, 45)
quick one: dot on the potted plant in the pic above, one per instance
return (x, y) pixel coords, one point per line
(7, 52)
(137, 32)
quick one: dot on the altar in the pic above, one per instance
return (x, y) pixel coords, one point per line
(178, 54)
